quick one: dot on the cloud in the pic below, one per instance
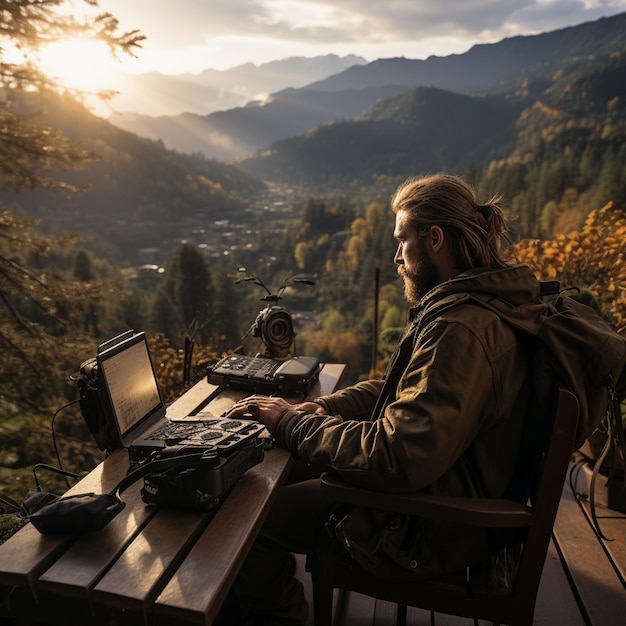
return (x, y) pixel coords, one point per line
(193, 22)
(346, 25)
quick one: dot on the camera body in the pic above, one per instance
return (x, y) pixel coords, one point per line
(274, 326)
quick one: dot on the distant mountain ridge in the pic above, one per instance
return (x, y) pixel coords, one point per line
(423, 129)
(577, 120)
(484, 65)
(154, 94)
(238, 133)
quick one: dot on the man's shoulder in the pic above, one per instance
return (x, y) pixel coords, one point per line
(463, 314)
(471, 313)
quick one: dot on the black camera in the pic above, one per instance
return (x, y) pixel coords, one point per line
(274, 327)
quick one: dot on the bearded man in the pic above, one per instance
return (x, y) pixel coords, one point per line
(447, 418)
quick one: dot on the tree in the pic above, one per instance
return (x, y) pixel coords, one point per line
(185, 295)
(225, 309)
(41, 311)
(590, 259)
(28, 151)
(82, 267)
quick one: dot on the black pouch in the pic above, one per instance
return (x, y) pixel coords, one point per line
(54, 515)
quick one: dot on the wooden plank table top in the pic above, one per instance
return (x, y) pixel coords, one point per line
(196, 591)
(171, 565)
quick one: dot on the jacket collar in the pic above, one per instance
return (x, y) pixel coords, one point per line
(515, 284)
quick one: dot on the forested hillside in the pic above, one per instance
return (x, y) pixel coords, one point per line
(424, 129)
(568, 156)
(553, 148)
(136, 192)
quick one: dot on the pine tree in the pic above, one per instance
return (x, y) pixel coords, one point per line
(82, 267)
(41, 336)
(184, 300)
(224, 310)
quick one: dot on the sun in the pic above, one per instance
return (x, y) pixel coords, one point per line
(82, 64)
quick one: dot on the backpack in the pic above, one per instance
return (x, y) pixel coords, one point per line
(575, 346)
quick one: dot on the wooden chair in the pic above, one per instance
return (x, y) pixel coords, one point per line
(332, 569)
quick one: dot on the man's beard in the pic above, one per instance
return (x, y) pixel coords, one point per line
(418, 284)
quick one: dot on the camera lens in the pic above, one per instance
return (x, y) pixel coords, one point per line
(277, 328)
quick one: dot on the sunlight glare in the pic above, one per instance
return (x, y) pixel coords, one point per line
(80, 64)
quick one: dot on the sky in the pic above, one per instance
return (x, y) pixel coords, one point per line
(193, 35)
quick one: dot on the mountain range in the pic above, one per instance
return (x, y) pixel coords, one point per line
(155, 94)
(240, 132)
(549, 131)
(582, 108)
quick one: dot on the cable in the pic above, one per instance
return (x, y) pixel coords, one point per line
(54, 439)
(576, 468)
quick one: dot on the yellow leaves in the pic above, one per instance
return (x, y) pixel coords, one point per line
(359, 227)
(356, 250)
(543, 110)
(301, 254)
(168, 364)
(592, 259)
(210, 184)
(607, 131)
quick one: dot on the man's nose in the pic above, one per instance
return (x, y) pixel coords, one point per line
(398, 259)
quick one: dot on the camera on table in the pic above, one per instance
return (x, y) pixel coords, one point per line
(274, 324)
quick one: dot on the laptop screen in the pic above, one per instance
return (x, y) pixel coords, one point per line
(129, 378)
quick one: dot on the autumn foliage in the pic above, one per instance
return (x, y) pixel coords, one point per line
(168, 364)
(591, 258)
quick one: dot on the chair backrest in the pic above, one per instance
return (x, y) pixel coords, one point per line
(451, 596)
(546, 496)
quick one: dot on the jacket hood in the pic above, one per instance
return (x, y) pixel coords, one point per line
(516, 284)
(508, 291)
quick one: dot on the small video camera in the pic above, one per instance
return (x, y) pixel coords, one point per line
(274, 326)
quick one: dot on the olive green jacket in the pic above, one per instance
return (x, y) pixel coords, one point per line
(446, 419)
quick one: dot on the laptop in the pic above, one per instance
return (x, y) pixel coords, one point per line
(128, 377)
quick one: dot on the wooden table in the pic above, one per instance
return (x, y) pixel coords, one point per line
(148, 565)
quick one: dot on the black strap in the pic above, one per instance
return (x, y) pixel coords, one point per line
(159, 463)
(614, 442)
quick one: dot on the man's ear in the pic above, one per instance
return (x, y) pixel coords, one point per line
(436, 238)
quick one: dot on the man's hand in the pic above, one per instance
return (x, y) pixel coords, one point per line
(266, 410)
